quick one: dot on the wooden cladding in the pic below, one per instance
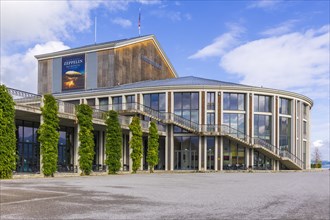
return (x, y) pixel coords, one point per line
(45, 76)
(133, 63)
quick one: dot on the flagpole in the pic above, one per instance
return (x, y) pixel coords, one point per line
(95, 20)
(139, 22)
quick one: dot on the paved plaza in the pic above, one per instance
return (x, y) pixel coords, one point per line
(281, 195)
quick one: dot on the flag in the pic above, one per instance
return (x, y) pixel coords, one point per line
(139, 24)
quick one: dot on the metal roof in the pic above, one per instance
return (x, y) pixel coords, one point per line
(181, 81)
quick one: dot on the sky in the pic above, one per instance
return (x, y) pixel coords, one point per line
(276, 44)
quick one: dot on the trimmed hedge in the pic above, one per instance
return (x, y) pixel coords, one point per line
(136, 143)
(7, 134)
(153, 145)
(49, 135)
(113, 142)
(86, 138)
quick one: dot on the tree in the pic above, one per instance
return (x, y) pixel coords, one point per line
(113, 142)
(86, 138)
(7, 134)
(153, 145)
(317, 158)
(49, 135)
(136, 143)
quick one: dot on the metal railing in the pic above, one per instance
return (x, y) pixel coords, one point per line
(67, 168)
(99, 168)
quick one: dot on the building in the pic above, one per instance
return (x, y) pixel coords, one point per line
(203, 124)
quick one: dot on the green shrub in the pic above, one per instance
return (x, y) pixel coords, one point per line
(49, 135)
(136, 143)
(113, 142)
(153, 145)
(7, 134)
(86, 138)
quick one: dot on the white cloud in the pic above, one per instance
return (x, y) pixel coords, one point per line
(282, 28)
(296, 60)
(318, 143)
(265, 4)
(149, 2)
(125, 23)
(220, 45)
(20, 70)
(27, 22)
(174, 16)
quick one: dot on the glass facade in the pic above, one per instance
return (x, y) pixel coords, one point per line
(103, 103)
(210, 101)
(186, 153)
(28, 148)
(262, 103)
(233, 155)
(156, 101)
(130, 101)
(236, 122)
(117, 103)
(261, 162)
(285, 133)
(186, 105)
(210, 152)
(233, 101)
(262, 127)
(285, 106)
(65, 150)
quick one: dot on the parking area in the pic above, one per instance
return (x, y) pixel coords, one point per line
(281, 195)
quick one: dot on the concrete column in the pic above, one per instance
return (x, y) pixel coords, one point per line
(166, 149)
(124, 159)
(247, 157)
(252, 158)
(171, 142)
(205, 152)
(221, 153)
(101, 147)
(76, 148)
(200, 153)
(216, 154)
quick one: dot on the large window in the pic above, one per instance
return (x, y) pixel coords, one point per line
(236, 122)
(285, 133)
(210, 141)
(103, 103)
(186, 153)
(28, 148)
(186, 105)
(304, 129)
(305, 108)
(262, 103)
(130, 101)
(65, 150)
(233, 155)
(285, 106)
(233, 101)
(117, 103)
(262, 127)
(155, 101)
(210, 101)
(261, 162)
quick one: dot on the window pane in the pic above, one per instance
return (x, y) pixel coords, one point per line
(226, 101)
(146, 100)
(162, 102)
(241, 102)
(194, 100)
(256, 103)
(154, 102)
(185, 100)
(233, 102)
(177, 100)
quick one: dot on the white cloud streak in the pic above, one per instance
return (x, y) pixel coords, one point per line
(282, 28)
(125, 23)
(220, 45)
(264, 4)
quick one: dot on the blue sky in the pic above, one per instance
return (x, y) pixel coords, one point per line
(276, 44)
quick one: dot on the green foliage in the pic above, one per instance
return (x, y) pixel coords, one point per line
(136, 143)
(86, 138)
(153, 145)
(7, 134)
(113, 142)
(316, 165)
(49, 135)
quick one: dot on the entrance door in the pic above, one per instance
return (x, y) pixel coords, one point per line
(185, 160)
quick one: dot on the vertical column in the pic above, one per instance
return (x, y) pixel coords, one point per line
(76, 148)
(293, 129)
(251, 158)
(166, 149)
(124, 159)
(308, 161)
(216, 157)
(200, 153)
(247, 157)
(41, 122)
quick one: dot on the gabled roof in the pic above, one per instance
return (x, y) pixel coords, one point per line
(105, 46)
